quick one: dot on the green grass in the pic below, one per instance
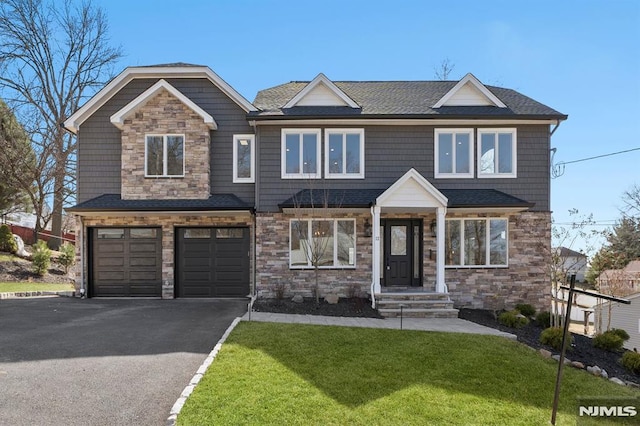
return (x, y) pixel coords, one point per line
(22, 287)
(290, 374)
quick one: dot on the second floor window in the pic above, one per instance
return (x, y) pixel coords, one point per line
(243, 158)
(454, 153)
(164, 155)
(344, 153)
(300, 153)
(497, 153)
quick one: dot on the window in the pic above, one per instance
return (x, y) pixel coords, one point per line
(476, 242)
(453, 153)
(328, 243)
(164, 155)
(497, 153)
(193, 233)
(300, 153)
(143, 232)
(110, 233)
(344, 153)
(229, 233)
(243, 158)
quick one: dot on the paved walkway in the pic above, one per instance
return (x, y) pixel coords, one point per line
(452, 325)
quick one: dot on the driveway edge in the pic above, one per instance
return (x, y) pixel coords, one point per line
(177, 407)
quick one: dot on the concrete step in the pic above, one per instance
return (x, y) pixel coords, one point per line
(419, 313)
(415, 304)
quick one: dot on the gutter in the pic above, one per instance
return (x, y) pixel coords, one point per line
(555, 128)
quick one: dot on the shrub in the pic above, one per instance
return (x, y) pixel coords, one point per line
(620, 332)
(67, 256)
(544, 319)
(631, 361)
(609, 341)
(526, 309)
(552, 336)
(41, 258)
(512, 319)
(7, 243)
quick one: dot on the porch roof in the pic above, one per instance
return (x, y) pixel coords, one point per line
(365, 198)
(115, 203)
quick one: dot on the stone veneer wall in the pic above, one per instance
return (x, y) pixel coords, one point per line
(168, 224)
(272, 261)
(165, 114)
(524, 281)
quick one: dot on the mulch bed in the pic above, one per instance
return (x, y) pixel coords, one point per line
(21, 270)
(582, 349)
(346, 307)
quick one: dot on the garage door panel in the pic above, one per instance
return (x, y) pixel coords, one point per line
(217, 266)
(129, 266)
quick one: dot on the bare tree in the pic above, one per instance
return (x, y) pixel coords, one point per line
(631, 199)
(53, 55)
(442, 72)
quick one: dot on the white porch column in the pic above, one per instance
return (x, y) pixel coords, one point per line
(375, 249)
(440, 223)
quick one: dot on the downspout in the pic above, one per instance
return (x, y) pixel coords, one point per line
(256, 181)
(373, 275)
(83, 290)
(555, 128)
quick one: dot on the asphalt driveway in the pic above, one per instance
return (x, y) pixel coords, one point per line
(67, 361)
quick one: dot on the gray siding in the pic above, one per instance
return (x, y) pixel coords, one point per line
(626, 317)
(99, 140)
(390, 151)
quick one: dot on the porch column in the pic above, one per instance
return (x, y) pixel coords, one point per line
(440, 223)
(375, 249)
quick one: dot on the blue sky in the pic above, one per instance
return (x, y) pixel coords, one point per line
(580, 57)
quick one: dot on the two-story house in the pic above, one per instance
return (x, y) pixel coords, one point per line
(186, 189)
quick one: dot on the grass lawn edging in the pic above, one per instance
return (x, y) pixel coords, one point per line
(177, 406)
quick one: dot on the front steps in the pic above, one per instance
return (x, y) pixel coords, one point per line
(415, 303)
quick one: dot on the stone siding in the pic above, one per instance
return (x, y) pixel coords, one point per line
(168, 223)
(525, 279)
(165, 114)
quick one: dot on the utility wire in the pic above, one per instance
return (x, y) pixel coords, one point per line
(599, 156)
(557, 169)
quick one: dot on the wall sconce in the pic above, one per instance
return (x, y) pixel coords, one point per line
(434, 228)
(367, 228)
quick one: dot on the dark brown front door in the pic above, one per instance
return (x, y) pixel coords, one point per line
(402, 252)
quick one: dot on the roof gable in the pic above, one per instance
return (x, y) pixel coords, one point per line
(118, 118)
(321, 92)
(412, 190)
(469, 91)
(162, 71)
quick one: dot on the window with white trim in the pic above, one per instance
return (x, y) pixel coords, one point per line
(497, 153)
(453, 153)
(344, 153)
(244, 158)
(301, 154)
(164, 156)
(327, 243)
(476, 242)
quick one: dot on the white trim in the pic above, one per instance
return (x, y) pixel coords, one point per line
(412, 174)
(436, 158)
(321, 79)
(487, 242)
(514, 153)
(74, 122)
(165, 164)
(198, 213)
(335, 242)
(283, 154)
(470, 78)
(402, 122)
(252, 143)
(343, 175)
(118, 118)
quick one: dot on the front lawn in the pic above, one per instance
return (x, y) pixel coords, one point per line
(24, 287)
(303, 374)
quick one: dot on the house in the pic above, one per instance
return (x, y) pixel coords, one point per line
(623, 316)
(186, 189)
(620, 282)
(573, 262)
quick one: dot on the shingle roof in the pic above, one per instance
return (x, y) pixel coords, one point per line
(399, 98)
(362, 198)
(114, 202)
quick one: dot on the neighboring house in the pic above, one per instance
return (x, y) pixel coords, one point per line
(187, 189)
(620, 282)
(573, 262)
(626, 317)
(582, 317)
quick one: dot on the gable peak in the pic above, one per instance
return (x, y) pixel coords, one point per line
(321, 92)
(469, 91)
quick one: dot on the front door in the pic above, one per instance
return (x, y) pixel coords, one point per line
(402, 252)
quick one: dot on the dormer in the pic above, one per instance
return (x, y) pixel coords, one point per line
(469, 91)
(321, 92)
